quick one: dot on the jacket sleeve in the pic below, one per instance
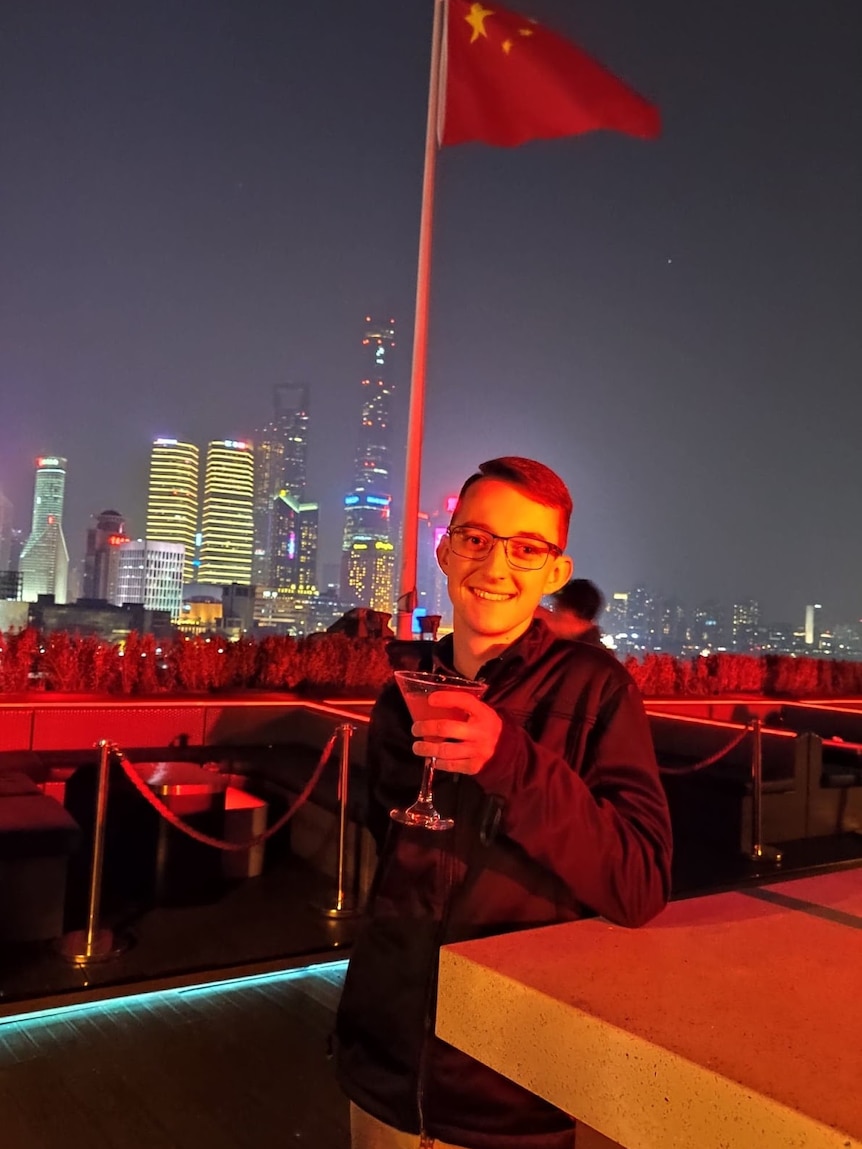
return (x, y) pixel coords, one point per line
(605, 832)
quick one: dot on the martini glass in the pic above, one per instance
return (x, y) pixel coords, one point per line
(416, 686)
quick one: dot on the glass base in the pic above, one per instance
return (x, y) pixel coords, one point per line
(428, 819)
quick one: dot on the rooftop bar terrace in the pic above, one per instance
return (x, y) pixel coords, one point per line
(133, 1048)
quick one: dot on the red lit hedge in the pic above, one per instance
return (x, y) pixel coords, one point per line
(333, 662)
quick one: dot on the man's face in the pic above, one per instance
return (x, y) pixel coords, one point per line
(490, 599)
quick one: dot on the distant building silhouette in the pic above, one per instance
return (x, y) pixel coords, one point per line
(280, 461)
(101, 558)
(367, 568)
(5, 532)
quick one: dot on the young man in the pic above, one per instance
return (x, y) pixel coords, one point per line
(558, 809)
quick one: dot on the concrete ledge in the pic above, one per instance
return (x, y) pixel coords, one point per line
(728, 1023)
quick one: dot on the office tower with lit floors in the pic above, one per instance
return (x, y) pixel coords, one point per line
(368, 553)
(173, 508)
(295, 535)
(44, 562)
(280, 464)
(227, 522)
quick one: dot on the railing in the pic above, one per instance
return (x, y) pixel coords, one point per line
(758, 852)
(96, 943)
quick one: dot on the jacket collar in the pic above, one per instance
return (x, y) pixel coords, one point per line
(526, 649)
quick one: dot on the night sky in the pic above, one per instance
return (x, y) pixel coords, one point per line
(202, 198)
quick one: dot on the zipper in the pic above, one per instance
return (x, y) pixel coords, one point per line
(448, 862)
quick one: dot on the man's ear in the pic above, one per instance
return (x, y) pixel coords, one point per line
(443, 554)
(559, 573)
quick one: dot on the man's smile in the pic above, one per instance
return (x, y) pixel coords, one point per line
(490, 595)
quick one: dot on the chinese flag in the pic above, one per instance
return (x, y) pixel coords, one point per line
(508, 80)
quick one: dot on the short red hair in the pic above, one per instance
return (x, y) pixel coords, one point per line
(535, 479)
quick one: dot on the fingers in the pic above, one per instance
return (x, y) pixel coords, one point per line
(463, 738)
(457, 700)
(442, 729)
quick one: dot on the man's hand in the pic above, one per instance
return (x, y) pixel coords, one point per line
(474, 733)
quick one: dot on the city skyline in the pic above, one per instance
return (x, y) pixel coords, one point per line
(164, 451)
(671, 325)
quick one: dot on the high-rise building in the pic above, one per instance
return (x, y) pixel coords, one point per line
(227, 524)
(5, 532)
(745, 625)
(44, 561)
(291, 426)
(294, 545)
(151, 573)
(101, 559)
(280, 464)
(371, 573)
(709, 627)
(10, 587)
(172, 499)
(811, 634)
(367, 508)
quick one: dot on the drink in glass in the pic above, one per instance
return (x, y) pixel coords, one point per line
(416, 687)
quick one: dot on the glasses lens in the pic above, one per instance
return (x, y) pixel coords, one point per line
(470, 543)
(527, 554)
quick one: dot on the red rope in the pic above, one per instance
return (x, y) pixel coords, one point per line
(713, 758)
(169, 816)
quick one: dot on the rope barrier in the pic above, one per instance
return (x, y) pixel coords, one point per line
(178, 823)
(712, 759)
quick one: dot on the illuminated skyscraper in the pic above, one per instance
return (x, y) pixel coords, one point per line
(367, 507)
(172, 499)
(228, 513)
(150, 573)
(280, 455)
(44, 562)
(294, 550)
(371, 573)
(101, 561)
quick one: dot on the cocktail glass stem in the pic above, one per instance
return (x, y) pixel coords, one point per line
(424, 804)
(423, 811)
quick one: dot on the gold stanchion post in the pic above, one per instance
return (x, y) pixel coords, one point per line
(344, 907)
(81, 947)
(759, 852)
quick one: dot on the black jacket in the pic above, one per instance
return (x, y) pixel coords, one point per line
(567, 818)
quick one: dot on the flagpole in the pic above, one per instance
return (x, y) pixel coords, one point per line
(406, 603)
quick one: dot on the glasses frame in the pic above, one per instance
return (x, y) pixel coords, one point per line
(553, 549)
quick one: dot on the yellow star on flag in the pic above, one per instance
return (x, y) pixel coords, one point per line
(476, 18)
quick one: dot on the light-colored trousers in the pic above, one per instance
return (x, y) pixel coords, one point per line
(366, 1132)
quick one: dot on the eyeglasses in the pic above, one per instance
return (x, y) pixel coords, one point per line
(522, 552)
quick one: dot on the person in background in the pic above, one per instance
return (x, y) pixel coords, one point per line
(558, 813)
(576, 606)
